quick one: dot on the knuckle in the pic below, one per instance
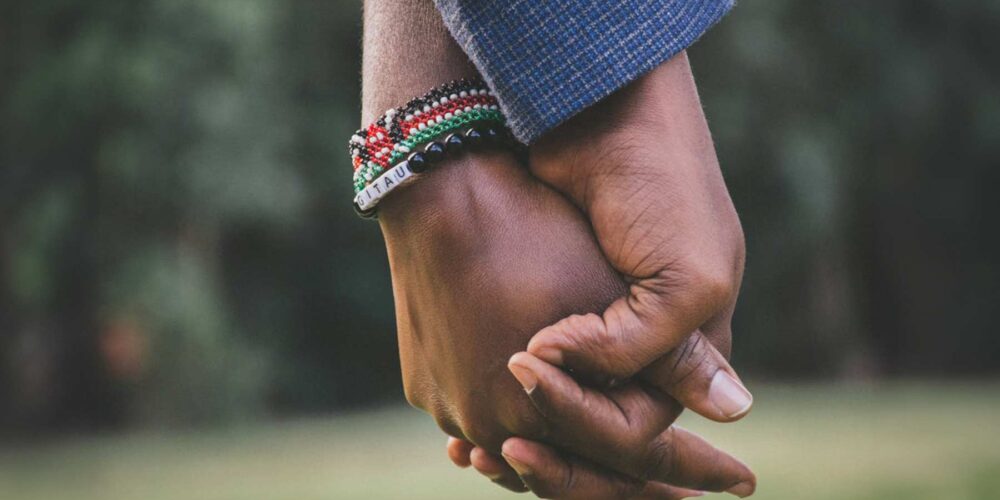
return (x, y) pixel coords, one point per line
(686, 360)
(659, 460)
(486, 436)
(578, 322)
(545, 489)
(569, 482)
(597, 344)
(529, 425)
(415, 396)
(484, 431)
(626, 487)
(714, 284)
(448, 425)
(602, 346)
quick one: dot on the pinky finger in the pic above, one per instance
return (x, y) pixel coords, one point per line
(494, 468)
(458, 451)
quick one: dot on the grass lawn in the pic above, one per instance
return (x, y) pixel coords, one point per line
(909, 441)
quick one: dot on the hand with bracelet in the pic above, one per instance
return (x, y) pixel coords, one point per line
(483, 255)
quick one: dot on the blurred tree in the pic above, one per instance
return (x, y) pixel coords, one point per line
(860, 141)
(173, 166)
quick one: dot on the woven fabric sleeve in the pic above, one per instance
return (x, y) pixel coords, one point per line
(547, 60)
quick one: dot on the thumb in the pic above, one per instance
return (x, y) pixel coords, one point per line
(698, 376)
(691, 370)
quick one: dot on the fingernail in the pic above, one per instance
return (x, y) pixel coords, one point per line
(550, 355)
(686, 493)
(728, 395)
(519, 467)
(524, 376)
(742, 490)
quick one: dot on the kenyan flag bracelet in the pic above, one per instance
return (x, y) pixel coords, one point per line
(407, 140)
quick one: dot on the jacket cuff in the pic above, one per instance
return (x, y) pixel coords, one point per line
(548, 60)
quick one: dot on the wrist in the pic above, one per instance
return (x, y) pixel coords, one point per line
(641, 126)
(407, 50)
(462, 196)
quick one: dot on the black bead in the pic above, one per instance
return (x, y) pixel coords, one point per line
(371, 213)
(417, 162)
(434, 151)
(473, 137)
(491, 135)
(453, 142)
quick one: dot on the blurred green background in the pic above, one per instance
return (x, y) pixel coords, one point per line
(181, 309)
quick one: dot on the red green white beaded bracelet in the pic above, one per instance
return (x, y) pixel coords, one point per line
(397, 133)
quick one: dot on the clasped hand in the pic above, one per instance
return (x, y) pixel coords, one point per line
(555, 318)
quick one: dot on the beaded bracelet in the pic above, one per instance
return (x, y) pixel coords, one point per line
(378, 151)
(418, 162)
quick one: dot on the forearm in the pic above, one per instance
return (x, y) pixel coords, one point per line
(407, 51)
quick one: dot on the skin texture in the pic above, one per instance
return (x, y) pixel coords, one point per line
(483, 255)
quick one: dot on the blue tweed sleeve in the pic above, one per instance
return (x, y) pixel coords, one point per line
(547, 60)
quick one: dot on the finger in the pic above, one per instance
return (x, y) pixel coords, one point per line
(691, 370)
(623, 429)
(551, 475)
(458, 451)
(681, 457)
(654, 319)
(496, 470)
(698, 376)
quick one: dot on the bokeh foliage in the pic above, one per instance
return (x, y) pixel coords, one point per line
(175, 244)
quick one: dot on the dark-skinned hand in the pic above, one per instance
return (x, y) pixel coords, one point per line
(642, 167)
(482, 257)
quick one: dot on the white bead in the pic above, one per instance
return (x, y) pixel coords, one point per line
(494, 107)
(435, 104)
(380, 136)
(426, 108)
(404, 148)
(371, 140)
(467, 109)
(453, 97)
(357, 139)
(378, 154)
(444, 100)
(422, 126)
(409, 117)
(463, 94)
(474, 92)
(458, 112)
(439, 119)
(477, 106)
(385, 151)
(448, 116)
(413, 130)
(371, 195)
